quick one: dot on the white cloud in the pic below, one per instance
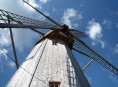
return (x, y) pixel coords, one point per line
(3, 53)
(116, 49)
(113, 78)
(31, 2)
(70, 15)
(94, 30)
(102, 43)
(111, 75)
(54, 9)
(15, 6)
(4, 41)
(44, 1)
(107, 23)
(21, 8)
(11, 64)
(4, 37)
(3, 57)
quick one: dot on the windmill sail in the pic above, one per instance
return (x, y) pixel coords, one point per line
(82, 48)
(18, 21)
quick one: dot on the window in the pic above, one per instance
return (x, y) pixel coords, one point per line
(54, 42)
(54, 84)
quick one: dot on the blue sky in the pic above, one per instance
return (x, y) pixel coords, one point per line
(97, 18)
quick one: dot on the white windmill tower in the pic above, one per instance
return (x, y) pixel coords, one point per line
(51, 62)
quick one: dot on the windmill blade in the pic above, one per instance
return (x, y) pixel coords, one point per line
(78, 33)
(82, 48)
(26, 22)
(87, 51)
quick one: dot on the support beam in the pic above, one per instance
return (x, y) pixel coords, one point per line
(4, 25)
(87, 64)
(87, 56)
(13, 46)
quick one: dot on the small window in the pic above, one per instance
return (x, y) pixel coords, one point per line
(54, 42)
(54, 84)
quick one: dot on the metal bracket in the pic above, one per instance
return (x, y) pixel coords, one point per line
(87, 64)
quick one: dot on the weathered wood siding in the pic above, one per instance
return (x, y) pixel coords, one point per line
(48, 62)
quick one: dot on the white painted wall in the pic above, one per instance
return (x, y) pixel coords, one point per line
(48, 62)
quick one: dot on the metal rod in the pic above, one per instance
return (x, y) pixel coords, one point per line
(87, 64)
(44, 15)
(13, 46)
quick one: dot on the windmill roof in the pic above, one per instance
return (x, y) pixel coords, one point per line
(57, 35)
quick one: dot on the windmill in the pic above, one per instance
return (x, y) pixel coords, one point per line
(51, 62)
